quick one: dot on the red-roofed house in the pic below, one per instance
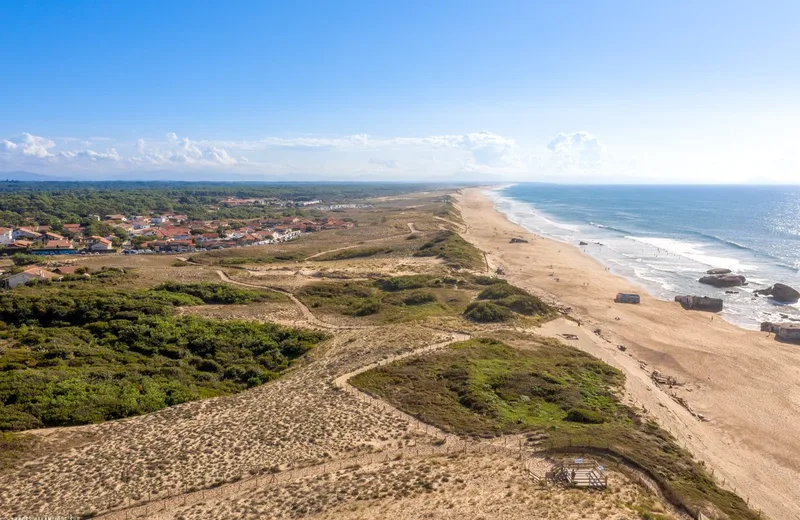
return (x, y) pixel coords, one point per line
(26, 233)
(59, 244)
(96, 243)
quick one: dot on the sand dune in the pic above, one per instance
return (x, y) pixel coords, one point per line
(744, 383)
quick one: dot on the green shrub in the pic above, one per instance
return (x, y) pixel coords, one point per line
(77, 355)
(525, 304)
(367, 307)
(582, 415)
(450, 247)
(25, 259)
(500, 290)
(215, 293)
(420, 298)
(487, 312)
(402, 283)
(347, 254)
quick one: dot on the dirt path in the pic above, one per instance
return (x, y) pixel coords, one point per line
(511, 447)
(307, 314)
(462, 228)
(412, 228)
(321, 253)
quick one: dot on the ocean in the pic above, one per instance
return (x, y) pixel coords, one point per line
(664, 238)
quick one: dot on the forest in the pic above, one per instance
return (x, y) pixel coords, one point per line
(54, 203)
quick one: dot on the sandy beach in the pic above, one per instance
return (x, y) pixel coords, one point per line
(741, 387)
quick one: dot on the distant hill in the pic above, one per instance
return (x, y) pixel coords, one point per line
(27, 176)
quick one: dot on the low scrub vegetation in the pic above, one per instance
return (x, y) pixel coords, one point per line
(74, 356)
(484, 387)
(357, 252)
(487, 312)
(504, 295)
(220, 293)
(454, 250)
(388, 300)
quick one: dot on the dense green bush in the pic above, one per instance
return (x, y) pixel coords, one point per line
(346, 254)
(525, 304)
(450, 247)
(25, 259)
(214, 293)
(403, 283)
(582, 415)
(77, 356)
(419, 298)
(487, 312)
(367, 307)
(500, 290)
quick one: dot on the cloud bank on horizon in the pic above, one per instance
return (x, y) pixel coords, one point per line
(571, 157)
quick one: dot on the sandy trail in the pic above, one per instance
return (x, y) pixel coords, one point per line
(743, 382)
(509, 447)
(307, 314)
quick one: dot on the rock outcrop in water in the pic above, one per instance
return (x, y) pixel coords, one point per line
(781, 293)
(724, 280)
(719, 270)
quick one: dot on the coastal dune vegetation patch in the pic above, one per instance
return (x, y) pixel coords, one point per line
(559, 395)
(359, 252)
(453, 249)
(76, 356)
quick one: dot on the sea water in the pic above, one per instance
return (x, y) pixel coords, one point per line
(664, 238)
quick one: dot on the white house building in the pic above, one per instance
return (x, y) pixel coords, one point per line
(27, 275)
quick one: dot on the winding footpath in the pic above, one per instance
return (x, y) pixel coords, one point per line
(304, 310)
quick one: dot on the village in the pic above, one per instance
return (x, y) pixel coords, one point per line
(167, 233)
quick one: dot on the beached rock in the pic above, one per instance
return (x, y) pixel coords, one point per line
(719, 270)
(724, 280)
(582, 243)
(518, 241)
(781, 293)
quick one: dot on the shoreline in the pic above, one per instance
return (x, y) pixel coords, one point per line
(665, 265)
(743, 383)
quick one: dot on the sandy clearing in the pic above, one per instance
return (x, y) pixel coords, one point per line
(744, 382)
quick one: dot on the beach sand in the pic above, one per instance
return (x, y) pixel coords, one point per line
(743, 383)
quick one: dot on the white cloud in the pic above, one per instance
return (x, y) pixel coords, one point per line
(91, 155)
(184, 151)
(29, 145)
(578, 148)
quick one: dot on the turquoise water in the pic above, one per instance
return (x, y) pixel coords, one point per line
(665, 237)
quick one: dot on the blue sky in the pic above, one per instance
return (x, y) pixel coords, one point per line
(573, 91)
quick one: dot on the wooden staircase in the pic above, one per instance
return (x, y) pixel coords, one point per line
(580, 473)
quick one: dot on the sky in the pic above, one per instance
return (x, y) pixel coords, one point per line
(570, 91)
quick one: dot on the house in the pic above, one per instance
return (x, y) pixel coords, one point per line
(59, 244)
(6, 235)
(49, 235)
(72, 229)
(31, 273)
(119, 218)
(96, 243)
(20, 244)
(27, 233)
(627, 298)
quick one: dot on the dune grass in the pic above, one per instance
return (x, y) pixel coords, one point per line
(454, 250)
(484, 387)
